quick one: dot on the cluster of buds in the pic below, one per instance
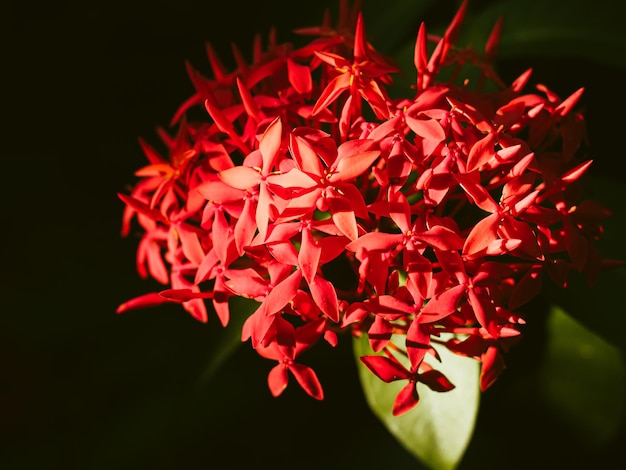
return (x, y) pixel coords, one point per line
(304, 186)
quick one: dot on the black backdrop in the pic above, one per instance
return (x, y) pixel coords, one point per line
(82, 387)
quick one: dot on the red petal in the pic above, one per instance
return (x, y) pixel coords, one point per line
(245, 227)
(309, 333)
(299, 77)
(435, 61)
(334, 60)
(277, 379)
(491, 48)
(269, 145)
(375, 97)
(304, 155)
(470, 113)
(256, 326)
(483, 233)
(309, 256)
(190, 244)
(524, 203)
(325, 297)
(420, 56)
(406, 399)
(252, 109)
(343, 217)
(481, 152)
(492, 366)
(291, 184)
(220, 243)
(331, 338)
(280, 233)
(379, 333)
(484, 310)
(442, 238)
(479, 195)
(308, 380)
(143, 208)
(282, 293)
(183, 295)
(436, 381)
(576, 172)
(376, 241)
(151, 253)
(263, 210)
(348, 167)
(400, 212)
(441, 305)
(513, 229)
(350, 192)
(224, 125)
(247, 283)
(567, 104)
(219, 71)
(417, 343)
(452, 32)
(158, 169)
(265, 69)
(359, 49)
(197, 309)
(452, 264)
(426, 128)
(284, 253)
(219, 191)
(220, 301)
(205, 268)
(331, 248)
(385, 368)
(521, 81)
(389, 304)
(142, 301)
(240, 177)
(332, 91)
(499, 247)
(419, 271)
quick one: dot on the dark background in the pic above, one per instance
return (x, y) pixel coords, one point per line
(82, 387)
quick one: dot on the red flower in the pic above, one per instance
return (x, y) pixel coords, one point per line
(389, 369)
(299, 340)
(360, 75)
(439, 212)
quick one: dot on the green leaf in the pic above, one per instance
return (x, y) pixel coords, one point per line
(438, 430)
(583, 379)
(559, 28)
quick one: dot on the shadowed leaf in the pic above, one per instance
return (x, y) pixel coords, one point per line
(438, 430)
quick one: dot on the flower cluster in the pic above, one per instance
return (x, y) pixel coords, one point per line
(303, 185)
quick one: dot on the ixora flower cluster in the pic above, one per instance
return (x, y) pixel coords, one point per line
(306, 187)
